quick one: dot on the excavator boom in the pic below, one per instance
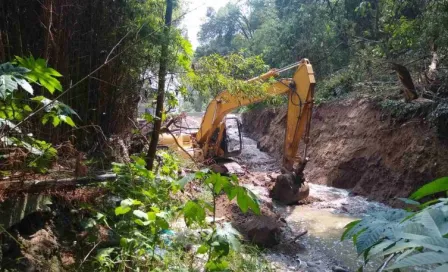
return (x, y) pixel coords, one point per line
(300, 90)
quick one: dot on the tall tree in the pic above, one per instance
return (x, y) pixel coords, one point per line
(164, 56)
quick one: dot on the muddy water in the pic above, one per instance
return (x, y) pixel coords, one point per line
(321, 249)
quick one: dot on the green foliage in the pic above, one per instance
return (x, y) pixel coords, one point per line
(215, 73)
(439, 118)
(346, 41)
(405, 111)
(15, 105)
(435, 112)
(336, 86)
(438, 185)
(406, 239)
(38, 72)
(150, 206)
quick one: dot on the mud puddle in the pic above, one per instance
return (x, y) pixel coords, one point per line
(324, 219)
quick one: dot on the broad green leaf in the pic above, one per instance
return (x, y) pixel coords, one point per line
(220, 182)
(435, 243)
(136, 202)
(232, 192)
(378, 248)
(140, 214)
(140, 222)
(397, 247)
(104, 253)
(56, 121)
(25, 85)
(409, 201)
(202, 249)
(369, 237)
(436, 186)
(27, 108)
(162, 223)
(152, 216)
(122, 210)
(217, 265)
(420, 259)
(242, 199)
(10, 69)
(7, 85)
(39, 72)
(426, 219)
(348, 230)
(193, 213)
(246, 199)
(186, 179)
(68, 120)
(4, 122)
(230, 235)
(138, 160)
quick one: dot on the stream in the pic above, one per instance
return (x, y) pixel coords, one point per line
(320, 249)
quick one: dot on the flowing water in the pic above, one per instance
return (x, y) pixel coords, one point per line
(320, 249)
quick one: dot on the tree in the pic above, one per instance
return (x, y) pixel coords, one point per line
(163, 65)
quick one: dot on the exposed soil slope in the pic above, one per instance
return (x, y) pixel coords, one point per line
(355, 146)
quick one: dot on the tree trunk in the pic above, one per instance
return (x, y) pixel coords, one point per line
(161, 86)
(405, 78)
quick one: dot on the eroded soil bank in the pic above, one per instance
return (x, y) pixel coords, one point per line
(354, 145)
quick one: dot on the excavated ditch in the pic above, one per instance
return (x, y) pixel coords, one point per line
(354, 145)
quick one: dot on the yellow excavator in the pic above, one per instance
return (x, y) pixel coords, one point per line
(211, 141)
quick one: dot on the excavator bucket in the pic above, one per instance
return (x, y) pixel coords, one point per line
(290, 187)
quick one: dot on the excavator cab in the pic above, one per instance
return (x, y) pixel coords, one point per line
(232, 141)
(227, 140)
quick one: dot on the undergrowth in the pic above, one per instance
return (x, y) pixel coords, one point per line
(436, 113)
(335, 87)
(155, 223)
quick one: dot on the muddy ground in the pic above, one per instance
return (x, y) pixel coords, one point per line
(354, 145)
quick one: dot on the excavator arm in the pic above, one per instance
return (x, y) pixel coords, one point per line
(300, 91)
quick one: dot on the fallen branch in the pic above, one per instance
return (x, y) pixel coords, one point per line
(41, 185)
(298, 236)
(178, 144)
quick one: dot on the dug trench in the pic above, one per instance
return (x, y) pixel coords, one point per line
(355, 145)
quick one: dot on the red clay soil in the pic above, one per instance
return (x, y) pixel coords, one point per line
(355, 146)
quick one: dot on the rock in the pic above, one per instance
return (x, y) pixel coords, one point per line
(311, 264)
(218, 168)
(338, 269)
(263, 231)
(314, 269)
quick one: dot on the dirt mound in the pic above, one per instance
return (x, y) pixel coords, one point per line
(353, 145)
(265, 230)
